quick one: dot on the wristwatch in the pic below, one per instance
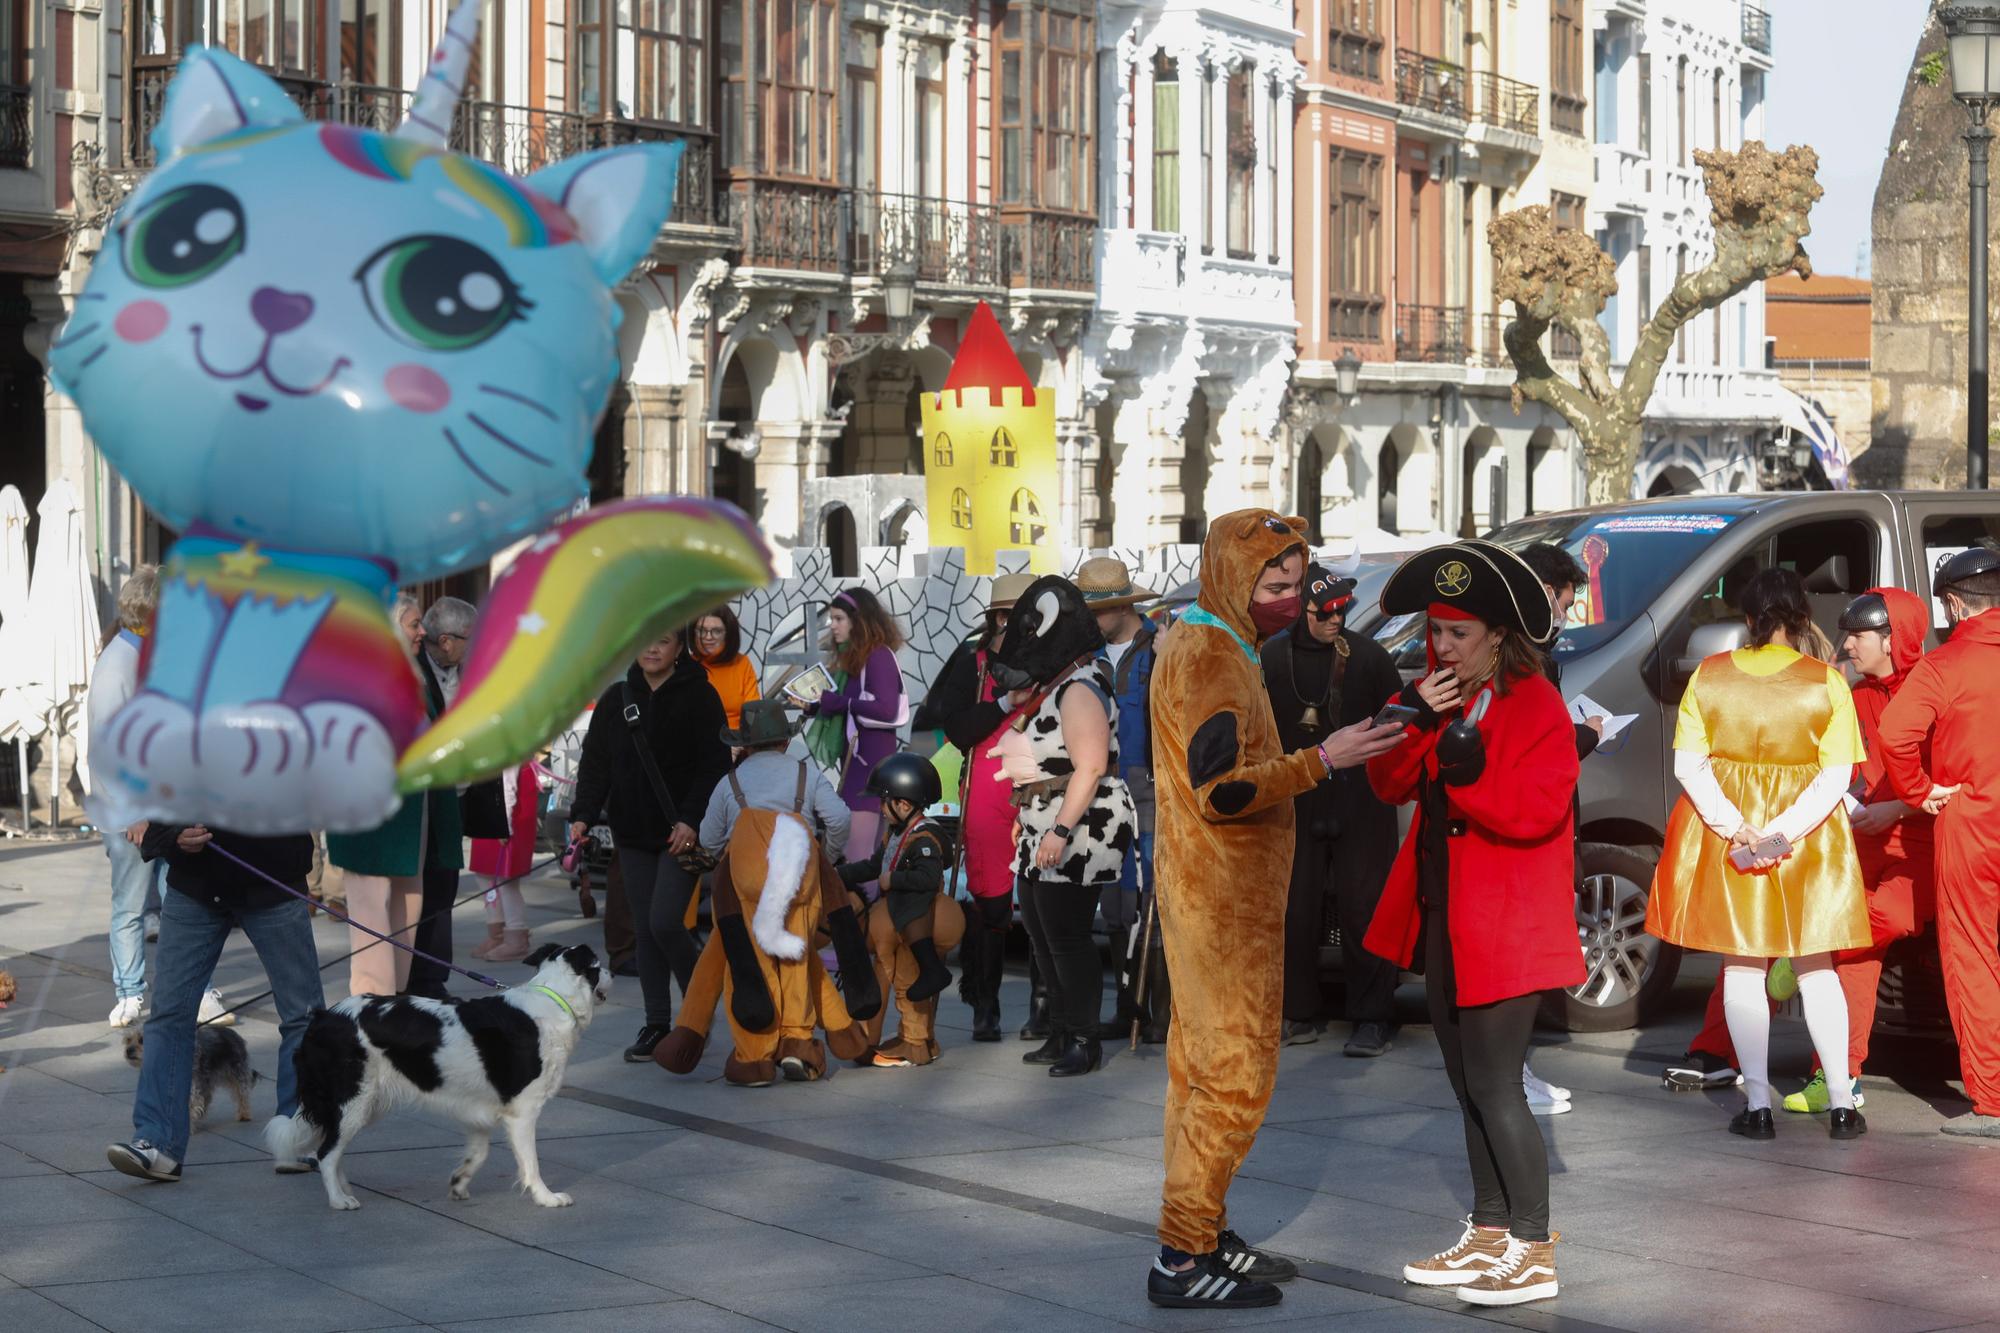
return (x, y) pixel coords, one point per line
(1062, 831)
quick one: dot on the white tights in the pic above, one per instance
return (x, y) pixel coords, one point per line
(505, 905)
(1749, 1017)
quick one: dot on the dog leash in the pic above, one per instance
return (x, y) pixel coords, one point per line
(481, 978)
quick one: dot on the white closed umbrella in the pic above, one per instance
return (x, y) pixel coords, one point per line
(61, 628)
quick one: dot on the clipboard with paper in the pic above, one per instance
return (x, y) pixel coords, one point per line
(1582, 708)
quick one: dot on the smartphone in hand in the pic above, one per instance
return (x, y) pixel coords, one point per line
(1395, 715)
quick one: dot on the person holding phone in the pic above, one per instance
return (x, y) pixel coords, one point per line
(1484, 885)
(1322, 675)
(1760, 861)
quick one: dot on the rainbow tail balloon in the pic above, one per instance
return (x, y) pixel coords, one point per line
(568, 616)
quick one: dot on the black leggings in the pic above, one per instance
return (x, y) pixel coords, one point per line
(658, 891)
(1058, 916)
(1484, 1047)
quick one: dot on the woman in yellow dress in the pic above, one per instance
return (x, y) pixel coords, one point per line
(1766, 744)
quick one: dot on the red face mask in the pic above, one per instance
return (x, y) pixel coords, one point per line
(1270, 617)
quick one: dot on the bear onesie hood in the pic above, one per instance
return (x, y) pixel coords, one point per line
(1223, 865)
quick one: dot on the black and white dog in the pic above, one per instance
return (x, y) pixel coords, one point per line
(493, 1061)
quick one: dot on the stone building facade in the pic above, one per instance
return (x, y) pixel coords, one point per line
(1919, 299)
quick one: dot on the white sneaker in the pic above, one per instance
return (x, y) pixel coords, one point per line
(213, 1011)
(1540, 1090)
(1543, 1106)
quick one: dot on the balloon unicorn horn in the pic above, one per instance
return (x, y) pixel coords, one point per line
(431, 109)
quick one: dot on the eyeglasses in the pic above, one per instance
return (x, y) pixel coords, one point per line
(706, 633)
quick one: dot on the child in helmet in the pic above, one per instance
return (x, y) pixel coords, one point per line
(911, 861)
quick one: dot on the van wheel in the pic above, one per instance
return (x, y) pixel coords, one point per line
(1630, 972)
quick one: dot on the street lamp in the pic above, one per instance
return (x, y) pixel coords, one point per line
(899, 290)
(1347, 375)
(1973, 34)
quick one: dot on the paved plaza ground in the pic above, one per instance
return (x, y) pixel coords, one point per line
(974, 1194)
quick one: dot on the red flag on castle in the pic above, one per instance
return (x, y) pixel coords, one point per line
(991, 477)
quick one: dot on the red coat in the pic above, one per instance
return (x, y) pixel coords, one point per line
(1512, 904)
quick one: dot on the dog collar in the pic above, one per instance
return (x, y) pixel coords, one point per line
(557, 998)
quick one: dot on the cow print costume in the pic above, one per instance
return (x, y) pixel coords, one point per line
(1102, 836)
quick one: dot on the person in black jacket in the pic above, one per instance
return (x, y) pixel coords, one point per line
(1323, 676)
(208, 894)
(666, 705)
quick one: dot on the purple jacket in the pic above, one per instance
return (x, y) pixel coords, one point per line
(868, 745)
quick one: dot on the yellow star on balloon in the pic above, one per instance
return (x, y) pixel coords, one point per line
(246, 563)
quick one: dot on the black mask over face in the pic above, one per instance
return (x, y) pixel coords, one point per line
(1050, 628)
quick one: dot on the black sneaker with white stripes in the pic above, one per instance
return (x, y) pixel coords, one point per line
(1240, 1259)
(1208, 1285)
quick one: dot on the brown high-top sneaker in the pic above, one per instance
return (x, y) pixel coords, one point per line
(1527, 1272)
(1477, 1250)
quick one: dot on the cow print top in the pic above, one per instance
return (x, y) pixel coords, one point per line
(1096, 853)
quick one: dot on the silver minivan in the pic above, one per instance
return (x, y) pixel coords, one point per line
(1665, 575)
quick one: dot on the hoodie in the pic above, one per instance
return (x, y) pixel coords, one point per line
(1217, 757)
(1909, 625)
(1951, 699)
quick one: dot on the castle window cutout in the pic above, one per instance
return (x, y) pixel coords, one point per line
(961, 508)
(1026, 526)
(941, 454)
(1003, 454)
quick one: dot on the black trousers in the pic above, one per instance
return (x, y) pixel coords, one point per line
(1484, 1047)
(659, 890)
(434, 935)
(1370, 981)
(1058, 916)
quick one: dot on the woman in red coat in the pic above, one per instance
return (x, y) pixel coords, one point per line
(1485, 881)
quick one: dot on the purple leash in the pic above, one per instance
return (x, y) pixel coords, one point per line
(304, 897)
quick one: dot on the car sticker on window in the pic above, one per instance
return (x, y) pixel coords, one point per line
(1687, 524)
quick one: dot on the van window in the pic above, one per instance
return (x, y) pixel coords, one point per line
(1837, 559)
(1944, 537)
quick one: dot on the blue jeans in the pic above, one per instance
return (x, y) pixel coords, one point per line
(1119, 903)
(191, 937)
(135, 885)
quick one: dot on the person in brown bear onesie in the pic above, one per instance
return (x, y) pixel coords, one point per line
(1224, 788)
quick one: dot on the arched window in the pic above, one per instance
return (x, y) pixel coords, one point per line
(1391, 463)
(941, 450)
(1003, 453)
(961, 508)
(1026, 527)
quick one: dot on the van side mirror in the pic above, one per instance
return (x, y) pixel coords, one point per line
(1708, 640)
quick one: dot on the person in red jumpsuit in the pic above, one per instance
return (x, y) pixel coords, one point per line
(1882, 635)
(1951, 700)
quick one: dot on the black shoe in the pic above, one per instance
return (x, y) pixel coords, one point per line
(986, 1023)
(1300, 1034)
(1037, 1026)
(1256, 1265)
(1048, 1052)
(1754, 1124)
(1208, 1284)
(1846, 1123)
(1083, 1056)
(932, 975)
(1698, 1070)
(640, 1051)
(628, 968)
(1367, 1041)
(140, 1158)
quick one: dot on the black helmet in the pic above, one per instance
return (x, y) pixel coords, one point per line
(906, 777)
(1868, 611)
(1967, 564)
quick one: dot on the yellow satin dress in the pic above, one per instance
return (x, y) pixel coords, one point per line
(1770, 720)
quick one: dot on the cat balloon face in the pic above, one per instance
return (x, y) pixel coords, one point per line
(325, 338)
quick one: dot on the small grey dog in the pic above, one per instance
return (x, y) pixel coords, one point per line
(221, 1060)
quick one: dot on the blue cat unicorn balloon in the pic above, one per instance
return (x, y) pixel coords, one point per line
(338, 360)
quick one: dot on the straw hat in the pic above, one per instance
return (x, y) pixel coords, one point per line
(1007, 590)
(1106, 583)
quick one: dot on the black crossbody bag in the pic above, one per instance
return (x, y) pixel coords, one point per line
(646, 760)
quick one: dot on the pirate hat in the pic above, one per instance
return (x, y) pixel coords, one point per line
(1326, 591)
(1472, 579)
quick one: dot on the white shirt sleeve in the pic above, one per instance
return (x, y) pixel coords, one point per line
(1814, 804)
(1697, 779)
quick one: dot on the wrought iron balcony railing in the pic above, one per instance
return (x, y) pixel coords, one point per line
(1434, 333)
(1508, 103)
(1430, 84)
(517, 139)
(17, 125)
(782, 224)
(1051, 251)
(1756, 29)
(946, 241)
